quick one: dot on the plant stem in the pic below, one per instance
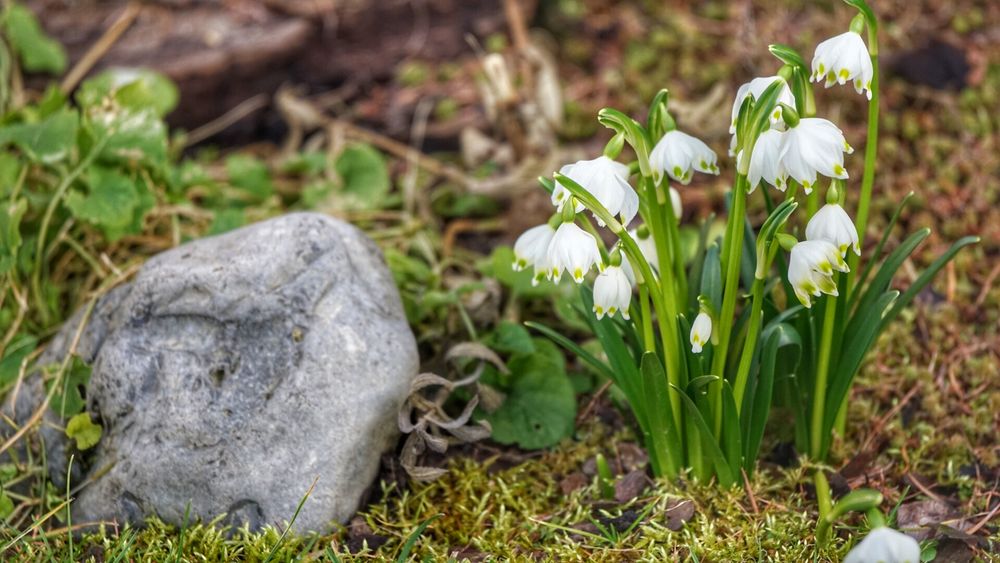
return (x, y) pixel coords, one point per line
(823, 499)
(647, 318)
(871, 153)
(733, 252)
(822, 372)
(749, 344)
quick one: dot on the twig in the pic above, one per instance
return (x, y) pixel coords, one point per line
(224, 121)
(985, 519)
(987, 284)
(749, 491)
(593, 401)
(880, 424)
(98, 50)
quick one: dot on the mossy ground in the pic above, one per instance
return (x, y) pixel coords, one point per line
(924, 416)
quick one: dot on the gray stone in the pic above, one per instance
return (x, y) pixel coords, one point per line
(234, 371)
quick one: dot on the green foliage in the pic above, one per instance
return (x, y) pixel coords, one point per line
(540, 406)
(135, 89)
(37, 51)
(48, 140)
(67, 397)
(84, 431)
(364, 174)
(14, 355)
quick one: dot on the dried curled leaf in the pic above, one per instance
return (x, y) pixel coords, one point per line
(424, 418)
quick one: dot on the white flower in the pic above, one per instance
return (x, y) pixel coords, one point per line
(810, 269)
(765, 162)
(701, 331)
(833, 224)
(531, 249)
(678, 153)
(754, 89)
(841, 59)
(574, 250)
(612, 292)
(675, 200)
(885, 545)
(814, 146)
(648, 248)
(606, 180)
(531, 246)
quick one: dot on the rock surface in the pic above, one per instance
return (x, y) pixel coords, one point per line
(235, 370)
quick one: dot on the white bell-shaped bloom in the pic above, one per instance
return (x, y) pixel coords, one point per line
(832, 223)
(843, 59)
(606, 180)
(612, 292)
(701, 331)
(675, 200)
(810, 269)
(765, 162)
(814, 146)
(572, 250)
(531, 247)
(885, 545)
(648, 248)
(754, 89)
(678, 154)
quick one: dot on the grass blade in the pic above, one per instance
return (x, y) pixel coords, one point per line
(411, 541)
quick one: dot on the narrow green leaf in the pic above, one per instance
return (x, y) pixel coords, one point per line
(722, 469)
(732, 442)
(925, 278)
(860, 282)
(787, 55)
(574, 348)
(861, 333)
(662, 431)
(888, 270)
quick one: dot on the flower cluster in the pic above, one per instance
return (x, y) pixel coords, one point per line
(561, 245)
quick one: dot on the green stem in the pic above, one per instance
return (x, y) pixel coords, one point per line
(647, 319)
(871, 153)
(734, 243)
(824, 500)
(822, 372)
(750, 344)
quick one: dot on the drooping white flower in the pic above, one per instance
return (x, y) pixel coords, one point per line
(677, 154)
(766, 163)
(612, 292)
(701, 331)
(606, 180)
(572, 250)
(810, 269)
(675, 201)
(885, 545)
(531, 246)
(833, 224)
(648, 248)
(531, 249)
(841, 59)
(814, 145)
(754, 89)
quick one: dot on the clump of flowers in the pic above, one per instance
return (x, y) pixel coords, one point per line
(698, 360)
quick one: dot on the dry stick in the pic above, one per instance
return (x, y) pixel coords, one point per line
(98, 49)
(519, 35)
(224, 121)
(983, 522)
